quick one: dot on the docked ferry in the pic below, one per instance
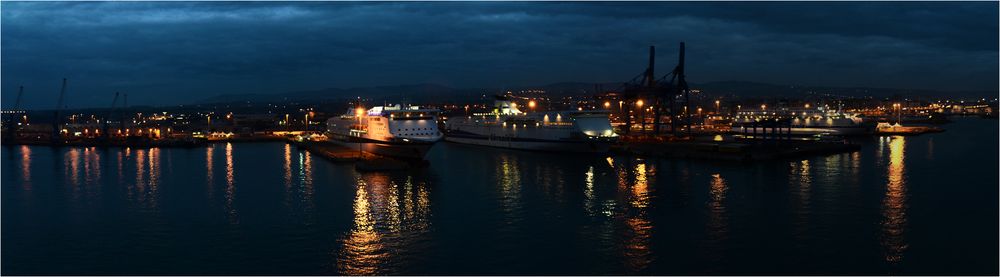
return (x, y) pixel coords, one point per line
(392, 131)
(508, 127)
(805, 122)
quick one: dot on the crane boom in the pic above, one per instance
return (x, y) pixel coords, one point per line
(57, 122)
(121, 119)
(62, 95)
(11, 124)
(108, 116)
(17, 103)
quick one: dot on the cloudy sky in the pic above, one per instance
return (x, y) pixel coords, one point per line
(172, 53)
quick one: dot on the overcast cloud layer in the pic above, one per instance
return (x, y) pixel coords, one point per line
(173, 53)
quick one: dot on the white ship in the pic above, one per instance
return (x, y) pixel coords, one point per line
(804, 122)
(508, 127)
(391, 131)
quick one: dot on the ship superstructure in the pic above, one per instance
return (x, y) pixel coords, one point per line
(804, 122)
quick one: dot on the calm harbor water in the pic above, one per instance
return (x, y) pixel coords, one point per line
(901, 205)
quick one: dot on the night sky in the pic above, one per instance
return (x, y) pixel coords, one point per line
(175, 53)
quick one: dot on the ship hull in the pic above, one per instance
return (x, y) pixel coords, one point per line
(407, 151)
(534, 145)
(808, 131)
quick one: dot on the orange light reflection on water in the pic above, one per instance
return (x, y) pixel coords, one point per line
(636, 241)
(72, 160)
(717, 225)
(26, 167)
(230, 184)
(894, 205)
(640, 188)
(140, 174)
(209, 172)
(362, 253)
(288, 166)
(384, 221)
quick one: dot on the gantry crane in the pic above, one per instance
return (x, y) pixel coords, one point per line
(57, 121)
(12, 126)
(107, 118)
(646, 86)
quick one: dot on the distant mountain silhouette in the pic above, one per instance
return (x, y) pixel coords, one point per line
(436, 93)
(395, 93)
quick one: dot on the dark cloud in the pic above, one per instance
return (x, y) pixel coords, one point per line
(178, 52)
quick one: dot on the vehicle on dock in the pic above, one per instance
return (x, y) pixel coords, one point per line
(392, 131)
(587, 131)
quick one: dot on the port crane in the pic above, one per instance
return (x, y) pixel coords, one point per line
(11, 121)
(20, 92)
(107, 118)
(647, 86)
(672, 89)
(57, 121)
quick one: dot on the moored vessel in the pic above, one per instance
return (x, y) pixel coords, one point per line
(507, 127)
(804, 122)
(391, 131)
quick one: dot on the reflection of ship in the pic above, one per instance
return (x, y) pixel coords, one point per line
(391, 131)
(508, 127)
(804, 122)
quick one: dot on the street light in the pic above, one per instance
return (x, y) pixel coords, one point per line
(896, 107)
(716, 106)
(359, 112)
(639, 103)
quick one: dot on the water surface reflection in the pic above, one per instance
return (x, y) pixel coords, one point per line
(230, 185)
(391, 215)
(209, 171)
(514, 212)
(509, 180)
(894, 218)
(717, 227)
(26, 167)
(635, 237)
